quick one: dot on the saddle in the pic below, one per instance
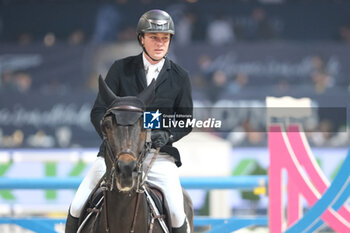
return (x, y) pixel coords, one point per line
(160, 203)
(94, 204)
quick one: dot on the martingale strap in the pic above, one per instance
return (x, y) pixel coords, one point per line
(138, 197)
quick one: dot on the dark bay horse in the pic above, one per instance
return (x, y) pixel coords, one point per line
(125, 205)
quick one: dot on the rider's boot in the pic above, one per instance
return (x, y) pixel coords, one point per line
(71, 224)
(183, 229)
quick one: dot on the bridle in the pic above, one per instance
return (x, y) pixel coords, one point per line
(109, 182)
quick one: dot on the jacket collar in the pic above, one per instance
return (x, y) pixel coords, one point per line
(140, 71)
(147, 64)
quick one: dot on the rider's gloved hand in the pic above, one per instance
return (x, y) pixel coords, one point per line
(159, 138)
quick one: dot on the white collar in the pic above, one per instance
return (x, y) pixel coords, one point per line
(147, 64)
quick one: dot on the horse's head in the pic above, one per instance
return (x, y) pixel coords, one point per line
(123, 133)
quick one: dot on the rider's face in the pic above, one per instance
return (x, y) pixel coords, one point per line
(156, 45)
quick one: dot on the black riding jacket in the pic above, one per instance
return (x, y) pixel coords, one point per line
(126, 77)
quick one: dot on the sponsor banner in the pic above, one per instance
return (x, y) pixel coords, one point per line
(46, 121)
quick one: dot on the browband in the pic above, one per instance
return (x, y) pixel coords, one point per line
(126, 108)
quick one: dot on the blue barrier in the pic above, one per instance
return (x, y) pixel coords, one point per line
(227, 225)
(36, 224)
(233, 182)
(218, 225)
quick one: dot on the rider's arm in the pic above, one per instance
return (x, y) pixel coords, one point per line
(183, 106)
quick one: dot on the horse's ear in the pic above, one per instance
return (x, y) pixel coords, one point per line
(106, 93)
(148, 94)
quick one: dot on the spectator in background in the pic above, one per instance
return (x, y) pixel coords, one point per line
(247, 134)
(185, 28)
(23, 82)
(220, 31)
(190, 28)
(283, 86)
(344, 33)
(317, 64)
(107, 24)
(77, 37)
(25, 38)
(323, 134)
(41, 139)
(218, 86)
(321, 81)
(260, 26)
(19, 81)
(7, 81)
(204, 62)
(201, 79)
(63, 136)
(14, 140)
(240, 81)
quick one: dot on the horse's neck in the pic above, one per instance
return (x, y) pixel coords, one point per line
(121, 210)
(118, 196)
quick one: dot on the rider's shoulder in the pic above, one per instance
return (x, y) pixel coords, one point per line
(126, 61)
(181, 72)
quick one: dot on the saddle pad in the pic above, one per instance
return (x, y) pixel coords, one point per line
(157, 197)
(161, 203)
(92, 201)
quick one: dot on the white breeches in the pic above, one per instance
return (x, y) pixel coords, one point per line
(88, 184)
(163, 174)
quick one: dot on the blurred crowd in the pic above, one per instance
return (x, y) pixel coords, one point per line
(225, 24)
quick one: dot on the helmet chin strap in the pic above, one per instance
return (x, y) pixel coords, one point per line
(144, 49)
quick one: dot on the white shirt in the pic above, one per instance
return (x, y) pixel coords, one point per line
(152, 71)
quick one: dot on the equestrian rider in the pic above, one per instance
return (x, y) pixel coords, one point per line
(128, 77)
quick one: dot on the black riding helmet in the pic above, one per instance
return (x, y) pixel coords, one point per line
(154, 21)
